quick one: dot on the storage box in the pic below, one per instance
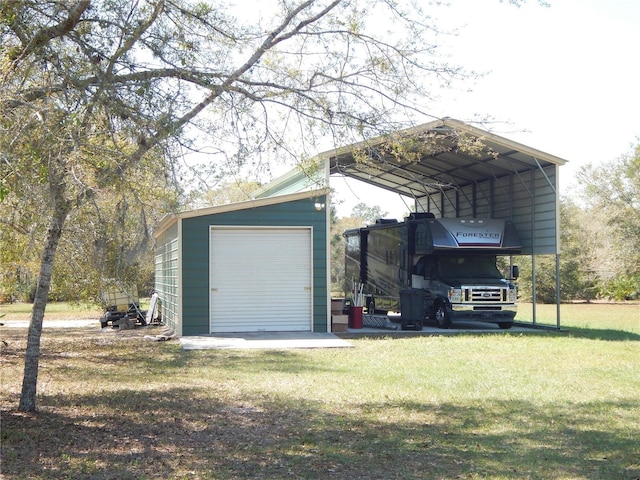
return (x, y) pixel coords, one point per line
(336, 306)
(339, 327)
(339, 323)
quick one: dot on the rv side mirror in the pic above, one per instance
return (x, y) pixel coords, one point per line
(515, 272)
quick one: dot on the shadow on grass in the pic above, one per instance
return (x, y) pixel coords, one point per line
(575, 332)
(609, 334)
(603, 334)
(195, 433)
(86, 355)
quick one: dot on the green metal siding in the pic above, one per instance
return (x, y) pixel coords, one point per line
(166, 275)
(195, 256)
(312, 176)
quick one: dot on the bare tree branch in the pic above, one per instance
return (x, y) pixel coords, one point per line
(43, 36)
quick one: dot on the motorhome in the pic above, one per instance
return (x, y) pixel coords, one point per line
(451, 262)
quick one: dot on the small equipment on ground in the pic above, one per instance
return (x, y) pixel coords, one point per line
(121, 306)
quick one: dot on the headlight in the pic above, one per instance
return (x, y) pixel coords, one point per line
(513, 295)
(455, 295)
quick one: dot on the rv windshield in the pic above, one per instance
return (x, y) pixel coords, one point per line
(468, 267)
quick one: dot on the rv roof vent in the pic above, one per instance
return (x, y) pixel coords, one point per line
(419, 215)
(382, 221)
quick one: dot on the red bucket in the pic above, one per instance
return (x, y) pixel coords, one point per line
(355, 317)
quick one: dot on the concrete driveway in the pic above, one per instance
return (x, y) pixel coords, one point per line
(268, 340)
(284, 340)
(71, 323)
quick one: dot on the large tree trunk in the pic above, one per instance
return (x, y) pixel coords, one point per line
(32, 357)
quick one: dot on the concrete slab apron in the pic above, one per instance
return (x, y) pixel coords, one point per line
(264, 340)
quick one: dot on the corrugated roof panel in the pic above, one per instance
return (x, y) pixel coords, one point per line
(454, 169)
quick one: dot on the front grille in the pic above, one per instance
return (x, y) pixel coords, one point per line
(485, 294)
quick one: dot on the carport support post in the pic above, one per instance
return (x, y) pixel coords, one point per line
(558, 291)
(534, 294)
(533, 288)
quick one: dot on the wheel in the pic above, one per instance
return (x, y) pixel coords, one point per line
(418, 326)
(505, 325)
(103, 322)
(442, 316)
(371, 305)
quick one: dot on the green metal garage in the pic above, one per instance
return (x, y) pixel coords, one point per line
(259, 265)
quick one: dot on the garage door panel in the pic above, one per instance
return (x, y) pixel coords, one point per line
(260, 279)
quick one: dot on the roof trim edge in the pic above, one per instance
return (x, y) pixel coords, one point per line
(168, 220)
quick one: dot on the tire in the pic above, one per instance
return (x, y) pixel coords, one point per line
(442, 316)
(418, 326)
(505, 325)
(371, 305)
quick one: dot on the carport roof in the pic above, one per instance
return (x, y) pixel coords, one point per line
(434, 157)
(451, 169)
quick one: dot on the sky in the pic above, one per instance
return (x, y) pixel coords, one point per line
(562, 79)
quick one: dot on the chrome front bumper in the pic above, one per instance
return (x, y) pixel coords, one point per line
(484, 312)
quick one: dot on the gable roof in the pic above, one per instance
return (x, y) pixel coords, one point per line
(168, 220)
(436, 156)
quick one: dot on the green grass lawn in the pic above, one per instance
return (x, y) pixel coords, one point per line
(508, 405)
(614, 320)
(53, 311)
(58, 310)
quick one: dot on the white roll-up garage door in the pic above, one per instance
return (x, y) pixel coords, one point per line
(260, 279)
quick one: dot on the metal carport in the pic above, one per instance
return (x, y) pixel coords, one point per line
(453, 169)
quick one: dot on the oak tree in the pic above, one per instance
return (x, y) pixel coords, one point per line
(93, 90)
